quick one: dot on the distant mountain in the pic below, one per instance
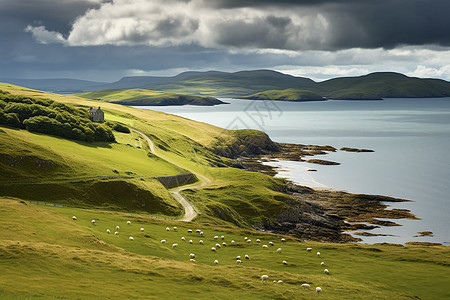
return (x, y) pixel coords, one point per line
(244, 83)
(142, 97)
(286, 95)
(59, 85)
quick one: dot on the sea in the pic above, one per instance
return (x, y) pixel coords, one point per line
(411, 159)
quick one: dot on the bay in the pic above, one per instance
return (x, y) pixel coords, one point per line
(410, 137)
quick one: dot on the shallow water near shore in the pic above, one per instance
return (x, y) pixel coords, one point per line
(411, 139)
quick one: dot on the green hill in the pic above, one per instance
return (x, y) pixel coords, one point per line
(141, 97)
(44, 253)
(286, 95)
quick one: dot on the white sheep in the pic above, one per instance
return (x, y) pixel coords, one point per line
(201, 242)
(163, 241)
(284, 262)
(271, 244)
(198, 231)
(93, 222)
(245, 238)
(222, 237)
(309, 249)
(283, 240)
(249, 241)
(142, 229)
(258, 240)
(322, 264)
(279, 250)
(318, 290)
(224, 244)
(167, 229)
(191, 241)
(246, 256)
(192, 260)
(183, 238)
(128, 222)
(108, 231)
(192, 255)
(217, 245)
(116, 233)
(232, 242)
(238, 257)
(264, 278)
(213, 249)
(216, 237)
(201, 233)
(318, 254)
(280, 281)
(189, 230)
(305, 286)
(174, 245)
(216, 262)
(131, 238)
(175, 228)
(238, 261)
(74, 218)
(265, 246)
(117, 227)
(326, 271)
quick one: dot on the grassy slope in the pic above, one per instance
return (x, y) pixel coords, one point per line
(286, 95)
(148, 97)
(52, 251)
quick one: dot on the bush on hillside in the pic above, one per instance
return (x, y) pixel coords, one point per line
(120, 128)
(50, 117)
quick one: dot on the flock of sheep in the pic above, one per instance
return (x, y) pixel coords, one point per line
(218, 245)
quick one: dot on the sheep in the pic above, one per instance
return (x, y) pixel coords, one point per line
(283, 240)
(167, 229)
(217, 245)
(222, 237)
(224, 244)
(198, 231)
(108, 231)
(163, 241)
(284, 262)
(183, 238)
(326, 271)
(274, 281)
(189, 231)
(279, 250)
(265, 246)
(213, 249)
(305, 286)
(131, 238)
(216, 237)
(192, 260)
(246, 256)
(309, 249)
(318, 254)
(216, 262)
(264, 278)
(74, 218)
(192, 255)
(174, 245)
(318, 290)
(322, 264)
(191, 242)
(232, 242)
(142, 229)
(245, 238)
(128, 222)
(93, 222)
(117, 227)
(271, 244)
(175, 228)
(116, 233)
(249, 241)
(201, 233)
(238, 257)
(201, 242)
(280, 281)
(258, 240)
(238, 261)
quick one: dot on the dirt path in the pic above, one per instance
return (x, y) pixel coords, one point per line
(190, 212)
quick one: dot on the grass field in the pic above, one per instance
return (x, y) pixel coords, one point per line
(45, 254)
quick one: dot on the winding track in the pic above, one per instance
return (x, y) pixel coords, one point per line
(190, 212)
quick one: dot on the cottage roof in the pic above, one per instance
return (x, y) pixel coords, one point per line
(93, 110)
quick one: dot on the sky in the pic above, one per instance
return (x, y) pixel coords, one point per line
(104, 40)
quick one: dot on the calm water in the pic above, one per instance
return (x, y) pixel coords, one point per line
(411, 139)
